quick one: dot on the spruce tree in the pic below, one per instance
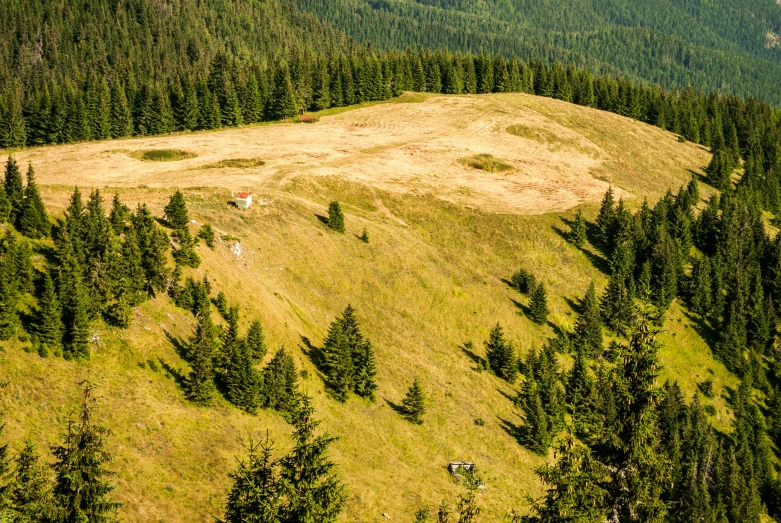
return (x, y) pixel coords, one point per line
(206, 233)
(256, 341)
(242, 381)
(82, 485)
(77, 327)
(335, 217)
(605, 220)
(9, 297)
(280, 383)
(538, 306)
(176, 211)
(501, 355)
(49, 326)
(256, 495)
(365, 371)
(588, 326)
(575, 488)
(119, 215)
(283, 100)
(14, 188)
(5, 205)
(33, 219)
(29, 491)
(579, 388)
(577, 233)
(185, 254)
(202, 348)
(337, 353)
(313, 490)
(414, 403)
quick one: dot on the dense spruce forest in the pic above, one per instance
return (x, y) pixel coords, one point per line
(725, 45)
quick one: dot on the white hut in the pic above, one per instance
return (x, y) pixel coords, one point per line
(243, 200)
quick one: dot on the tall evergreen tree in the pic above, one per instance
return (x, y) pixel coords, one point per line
(501, 355)
(49, 326)
(577, 233)
(283, 102)
(14, 188)
(256, 341)
(314, 492)
(202, 348)
(176, 211)
(257, 490)
(605, 219)
(538, 305)
(335, 217)
(280, 383)
(82, 484)
(242, 381)
(414, 403)
(33, 219)
(29, 491)
(588, 326)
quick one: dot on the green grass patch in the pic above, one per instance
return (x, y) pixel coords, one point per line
(239, 163)
(533, 133)
(162, 155)
(486, 162)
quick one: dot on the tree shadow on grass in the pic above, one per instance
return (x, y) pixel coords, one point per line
(313, 352)
(599, 262)
(174, 373)
(515, 431)
(478, 360)
(575, 305)
(702, 328)
(523, 309)
(322, 219)
(507, 396)
(180, 346)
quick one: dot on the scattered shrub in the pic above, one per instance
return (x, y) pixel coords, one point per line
(486, 162)
(706, 387)
(162, 155)
(480, 422)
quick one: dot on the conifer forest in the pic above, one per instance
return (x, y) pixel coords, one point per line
(604, 428)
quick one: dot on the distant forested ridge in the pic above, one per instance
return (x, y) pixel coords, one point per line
(729, 45)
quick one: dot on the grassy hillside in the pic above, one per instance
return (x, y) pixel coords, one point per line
(728, 45)
(445, 237)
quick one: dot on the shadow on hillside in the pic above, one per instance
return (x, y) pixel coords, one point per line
(517, 432)
(181, 347)
(701, 327)
(323, 219)
(314, 353)
(174, 373)
(576, 306)
(524, 310)
(397, 407)
(503, 393)
(509, 283)
(478, 360)
(599, 263)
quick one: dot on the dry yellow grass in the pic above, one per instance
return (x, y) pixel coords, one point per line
(443, 239)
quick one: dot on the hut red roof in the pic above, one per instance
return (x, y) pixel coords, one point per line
(244, 195)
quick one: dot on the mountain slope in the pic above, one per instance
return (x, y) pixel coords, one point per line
(726, 45)
(430, 280)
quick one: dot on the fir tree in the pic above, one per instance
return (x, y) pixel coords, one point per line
(414, 403)
(313, 489)
(49, 326)
(256, 341)
(202, 348)
(588, 326)
(365, 370)
(33, 220)
(538, 306)
(280, 383)
(176, 211)
(77, 328)
(119, 215)
(185, 254)
(82, 483)
(501, 355)
(577, 233)
(335, 217)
